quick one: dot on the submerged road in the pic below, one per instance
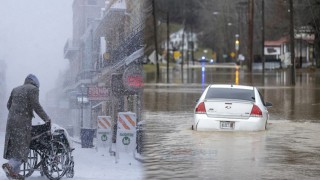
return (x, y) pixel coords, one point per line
(288, 149)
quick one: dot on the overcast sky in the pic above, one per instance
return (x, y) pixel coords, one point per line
(32, 37)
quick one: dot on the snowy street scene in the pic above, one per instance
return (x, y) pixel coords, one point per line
(70, 89)
(94, 164)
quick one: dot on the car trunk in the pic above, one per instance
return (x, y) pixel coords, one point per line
(225, 108)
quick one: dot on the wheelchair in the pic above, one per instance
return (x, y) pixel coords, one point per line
(50, 153)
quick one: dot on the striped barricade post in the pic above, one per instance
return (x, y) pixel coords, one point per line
(126, 133)
(104, 134)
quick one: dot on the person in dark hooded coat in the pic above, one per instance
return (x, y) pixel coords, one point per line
(22, 102)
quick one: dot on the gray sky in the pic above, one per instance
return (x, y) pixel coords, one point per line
(32, 37)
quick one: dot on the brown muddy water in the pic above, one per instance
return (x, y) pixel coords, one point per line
(288, 149)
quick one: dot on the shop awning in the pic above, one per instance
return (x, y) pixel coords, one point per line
(135, 55)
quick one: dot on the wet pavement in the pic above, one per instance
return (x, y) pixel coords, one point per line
(288, 149)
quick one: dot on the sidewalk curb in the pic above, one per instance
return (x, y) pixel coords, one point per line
(138, 157)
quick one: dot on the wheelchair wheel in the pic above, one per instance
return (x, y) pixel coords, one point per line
(28, 167)
(70, 171)
(56, 161)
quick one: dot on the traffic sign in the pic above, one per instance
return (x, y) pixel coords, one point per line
(126, 141)
(103, 138)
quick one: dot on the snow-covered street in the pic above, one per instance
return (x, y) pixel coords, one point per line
(93, 164)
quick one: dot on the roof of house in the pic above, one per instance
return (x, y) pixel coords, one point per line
(276, 42)
(305, 37)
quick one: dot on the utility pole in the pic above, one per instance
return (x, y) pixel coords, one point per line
(182, 50)
(192, 45)
(155, 39)
(168, 41)
(293, 73)
(262, 39)
(250, 36)
(300, 53)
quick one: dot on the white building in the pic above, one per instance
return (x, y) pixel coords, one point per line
(182, 41)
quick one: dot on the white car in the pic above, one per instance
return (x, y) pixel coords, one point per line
(231, 107)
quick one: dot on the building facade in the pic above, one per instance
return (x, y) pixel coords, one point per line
(105, 51)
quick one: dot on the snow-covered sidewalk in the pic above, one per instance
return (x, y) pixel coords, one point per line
(93, 164)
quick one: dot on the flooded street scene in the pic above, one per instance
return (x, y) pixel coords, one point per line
(288, 149)
(269, 45)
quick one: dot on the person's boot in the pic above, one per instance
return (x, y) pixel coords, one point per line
(8, 170)
(10, 173)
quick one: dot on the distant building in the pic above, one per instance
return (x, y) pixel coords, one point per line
(181, 41)
(279, 50)
(277, 53)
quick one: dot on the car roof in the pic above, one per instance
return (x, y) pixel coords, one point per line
(230, 86)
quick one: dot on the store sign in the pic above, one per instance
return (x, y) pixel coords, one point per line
(135, 81)
(133, 78)
(96, 93)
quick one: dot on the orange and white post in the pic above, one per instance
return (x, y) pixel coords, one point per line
(126, 133)
(104, 134)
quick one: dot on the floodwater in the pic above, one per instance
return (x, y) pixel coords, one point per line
(288, 149)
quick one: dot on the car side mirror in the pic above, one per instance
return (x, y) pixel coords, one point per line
(268, 104)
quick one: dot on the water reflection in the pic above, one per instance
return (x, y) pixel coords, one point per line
(203, 76)
(237, 76)
(234, 75)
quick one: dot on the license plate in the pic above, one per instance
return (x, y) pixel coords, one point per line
(226, 125)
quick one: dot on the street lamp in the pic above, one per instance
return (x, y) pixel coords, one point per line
(215, 13)
(82, 99)
(225, 15)
(237, 45)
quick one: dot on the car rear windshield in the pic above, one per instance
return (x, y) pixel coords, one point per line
(230, 93)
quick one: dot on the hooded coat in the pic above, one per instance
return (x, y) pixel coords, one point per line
(21, 104)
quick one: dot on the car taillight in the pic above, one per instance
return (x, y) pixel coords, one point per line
(256, 111)
(200, 109)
